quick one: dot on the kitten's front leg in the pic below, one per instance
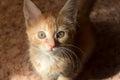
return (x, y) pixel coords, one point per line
(61, 77)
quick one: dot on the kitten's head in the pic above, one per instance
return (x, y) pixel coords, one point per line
(48, 32)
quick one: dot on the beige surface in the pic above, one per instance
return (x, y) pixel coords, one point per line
(14, 63)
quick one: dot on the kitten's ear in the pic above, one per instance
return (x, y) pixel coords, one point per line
(69, 11)
(31, 12)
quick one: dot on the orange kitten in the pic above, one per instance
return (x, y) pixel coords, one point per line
(52, 41)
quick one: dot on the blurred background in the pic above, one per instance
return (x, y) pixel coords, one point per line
(14, 60)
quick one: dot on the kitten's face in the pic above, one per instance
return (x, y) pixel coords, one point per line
(49, 33)
(46, 32)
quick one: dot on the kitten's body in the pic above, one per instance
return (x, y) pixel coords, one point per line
(55, 52)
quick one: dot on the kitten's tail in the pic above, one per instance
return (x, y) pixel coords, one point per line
(85, 29)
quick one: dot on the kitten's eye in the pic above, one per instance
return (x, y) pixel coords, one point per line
(41, 35)
(60, 34)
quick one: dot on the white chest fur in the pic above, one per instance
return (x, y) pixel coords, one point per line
(46, 65)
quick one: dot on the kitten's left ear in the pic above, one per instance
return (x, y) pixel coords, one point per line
(31, 12)
(69, 11)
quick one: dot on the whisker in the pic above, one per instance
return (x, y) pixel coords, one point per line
(63, 52)
(70, 54)
(71, 58)
(76, 58)
(70, 45)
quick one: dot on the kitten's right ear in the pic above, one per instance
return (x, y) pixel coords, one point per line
(31, 12)
(69, 10)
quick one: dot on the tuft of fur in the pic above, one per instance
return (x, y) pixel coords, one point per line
(62, 61)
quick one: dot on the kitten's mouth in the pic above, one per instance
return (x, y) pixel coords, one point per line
(52, 51)
(55, 52)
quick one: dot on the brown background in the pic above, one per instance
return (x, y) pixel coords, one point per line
(104, 64)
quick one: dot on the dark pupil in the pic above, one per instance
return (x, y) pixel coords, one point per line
(42, 35)
(60, 34)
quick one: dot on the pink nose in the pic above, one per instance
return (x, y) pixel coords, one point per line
(52, 47)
